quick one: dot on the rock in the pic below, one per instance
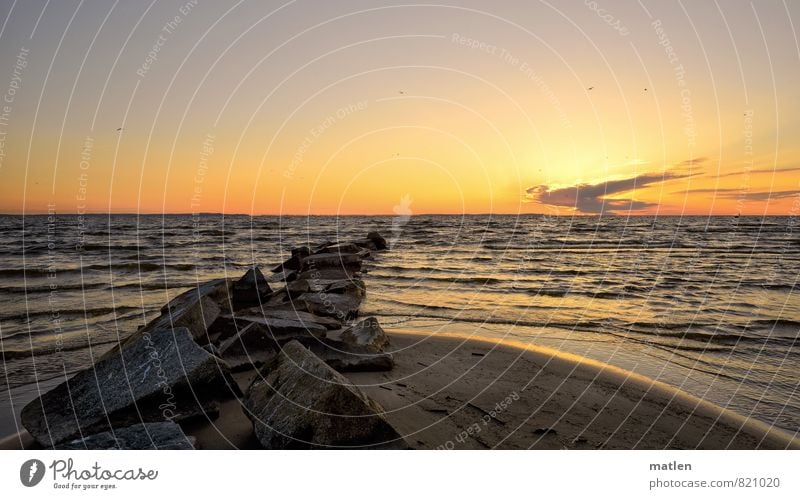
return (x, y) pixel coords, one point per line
(292, 315)
(282, 276)
(294, 262)
(348, 261)
(378, 240)
(267, 333)
(250, 361)
(217, 290)
(328, 274)
(164, 435)
(302, 403)
(298, 287)
(345, 357)
(194, 310)
(343, 307)
(251, 289)
(367, 244)
(343, 248)
(368, 334)
(355, 287)
(160, 376)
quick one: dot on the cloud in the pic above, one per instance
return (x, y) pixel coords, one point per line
(764, 170)
(593, 198)
(693, 161)
(743, 194)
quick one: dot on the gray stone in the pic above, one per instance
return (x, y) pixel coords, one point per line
(165, 435)
(268, 333)
(343, 248)
(367, 244)
(341, 306)
(292, 315)
(194, 310)
(368, 334)
(158, 377)
(332, 260)
(380, 242)
(345, 357)
(302, 403)
(251, 289)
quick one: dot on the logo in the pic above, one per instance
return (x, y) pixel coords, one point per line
(31, 472)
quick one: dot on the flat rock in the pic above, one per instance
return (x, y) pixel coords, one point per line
(268, 333)
(164, 435)
(345, 357)
(341, 306)
(335, 260)
(159, 377)
(303, 403)
(368, 334)
(293, 315)
(332, 274)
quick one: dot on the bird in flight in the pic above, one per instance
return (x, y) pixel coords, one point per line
(401, 92)
(119, 129)
(591, 88)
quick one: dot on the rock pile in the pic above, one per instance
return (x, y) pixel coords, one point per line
(293, 331)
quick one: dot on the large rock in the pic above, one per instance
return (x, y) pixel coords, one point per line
(165, 435)
(368, 334)
(302, 403)
(345, 357)
(378, 240)
(292, 315)
(294, 262)
(342, 306)
(268, 333)
(251, 289)
(195, 309)
(157, 378)
(349, 261)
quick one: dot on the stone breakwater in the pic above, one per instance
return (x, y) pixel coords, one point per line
(290, 334)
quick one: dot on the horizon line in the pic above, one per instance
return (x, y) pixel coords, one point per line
(296, 215)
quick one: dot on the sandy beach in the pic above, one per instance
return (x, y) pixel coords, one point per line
(449, 392)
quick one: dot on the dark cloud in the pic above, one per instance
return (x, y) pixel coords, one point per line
(692, 162)
(592, 198)
(743, 194)
(763, 170)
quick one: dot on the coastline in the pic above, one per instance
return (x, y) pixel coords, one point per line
(467, 392)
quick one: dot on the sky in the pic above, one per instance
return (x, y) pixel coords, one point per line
(379, 107)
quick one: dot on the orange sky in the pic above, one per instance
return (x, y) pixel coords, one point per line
(349, 108)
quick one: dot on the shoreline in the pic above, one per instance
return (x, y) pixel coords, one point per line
(470, 392)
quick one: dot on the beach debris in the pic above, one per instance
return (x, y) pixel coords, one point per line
(326, 410)
(164, 435)
(158, 377)
(368, 334)
(251, 289)
(545, 431)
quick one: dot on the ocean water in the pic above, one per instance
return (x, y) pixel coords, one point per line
(708, 305)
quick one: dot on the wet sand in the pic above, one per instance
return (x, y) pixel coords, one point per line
(451, 392)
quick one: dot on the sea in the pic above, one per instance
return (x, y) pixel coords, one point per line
(709, 305)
